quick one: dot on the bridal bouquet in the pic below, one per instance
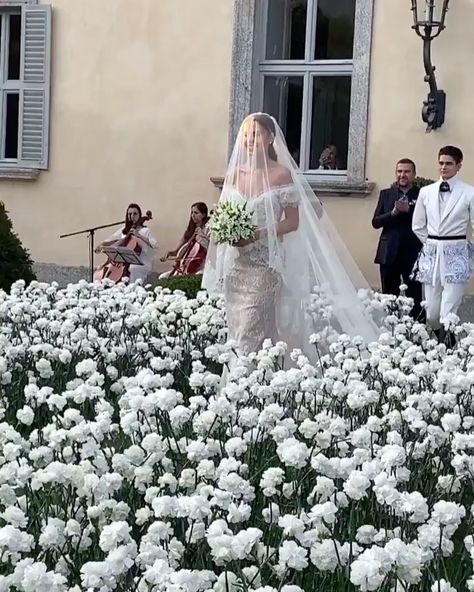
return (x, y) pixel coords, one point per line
(231, 222)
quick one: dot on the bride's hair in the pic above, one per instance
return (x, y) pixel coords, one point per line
(268, 125)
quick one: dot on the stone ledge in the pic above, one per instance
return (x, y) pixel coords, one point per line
(63, 274)
(342, 188)
(325, 186)
(466, 310)
(69, 274)
(9, 173)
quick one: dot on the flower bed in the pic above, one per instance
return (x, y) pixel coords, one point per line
(124, 465)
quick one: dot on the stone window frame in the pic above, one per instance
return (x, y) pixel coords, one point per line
(243, 68)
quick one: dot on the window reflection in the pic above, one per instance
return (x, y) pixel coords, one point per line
(283, 98)
(286, 29)
(330, 122)
(334, 29)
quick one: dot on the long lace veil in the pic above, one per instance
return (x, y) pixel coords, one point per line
(312, 256)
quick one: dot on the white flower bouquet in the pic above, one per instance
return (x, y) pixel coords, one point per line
(231, 222)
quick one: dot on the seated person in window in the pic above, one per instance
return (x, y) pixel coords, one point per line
(190, 255)
(329, 159)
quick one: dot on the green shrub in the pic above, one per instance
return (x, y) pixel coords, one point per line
(15, 261)
(190, 284)
(422, 181)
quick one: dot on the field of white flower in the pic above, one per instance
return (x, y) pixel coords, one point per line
(124, 464)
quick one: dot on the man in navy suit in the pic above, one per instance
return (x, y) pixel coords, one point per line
(398, 246)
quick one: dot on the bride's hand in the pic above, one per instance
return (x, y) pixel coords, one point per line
(244, 242)
(248, 241)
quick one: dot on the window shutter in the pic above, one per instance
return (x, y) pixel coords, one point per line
(35, 87)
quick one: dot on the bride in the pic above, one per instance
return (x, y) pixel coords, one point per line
(267, 281)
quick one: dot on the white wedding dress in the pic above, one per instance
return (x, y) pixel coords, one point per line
(268, 284)
(252, 288)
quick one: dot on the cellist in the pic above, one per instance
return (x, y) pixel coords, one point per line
(135, 228)
(190, 255)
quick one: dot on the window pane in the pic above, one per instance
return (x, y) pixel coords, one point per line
(14, 47)
(335, 29)
(286, 30)
(11, 125)
(283, 98)
(330, 122)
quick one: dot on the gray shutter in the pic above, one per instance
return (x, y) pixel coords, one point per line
(35, 87)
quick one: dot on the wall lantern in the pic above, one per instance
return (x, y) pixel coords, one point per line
(428, 22)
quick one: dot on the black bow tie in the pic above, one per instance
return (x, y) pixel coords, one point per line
(444, 187)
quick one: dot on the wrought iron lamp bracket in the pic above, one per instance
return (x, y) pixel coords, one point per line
(434, 107)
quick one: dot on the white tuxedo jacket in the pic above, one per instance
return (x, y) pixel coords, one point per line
(444, 261)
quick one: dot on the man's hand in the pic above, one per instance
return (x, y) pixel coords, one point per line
(401, 207)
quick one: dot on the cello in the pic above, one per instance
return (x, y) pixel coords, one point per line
(189, 258)
(115, 271)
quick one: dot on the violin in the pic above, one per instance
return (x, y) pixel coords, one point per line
(115, 271)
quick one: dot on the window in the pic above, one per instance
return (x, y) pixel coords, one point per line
(305, 69)
(24, 85)
(307, 62)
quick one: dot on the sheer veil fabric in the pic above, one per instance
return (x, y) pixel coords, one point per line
(267, 284)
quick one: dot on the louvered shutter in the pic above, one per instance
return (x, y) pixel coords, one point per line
(35, 88)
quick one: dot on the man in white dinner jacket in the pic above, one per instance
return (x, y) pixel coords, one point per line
(443, 217)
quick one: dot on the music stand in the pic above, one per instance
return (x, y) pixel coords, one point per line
(122, 255)
(91, 234)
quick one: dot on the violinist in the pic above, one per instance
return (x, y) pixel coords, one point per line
(190, 255)
(136, 231)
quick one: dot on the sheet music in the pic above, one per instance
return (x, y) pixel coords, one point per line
(122, 255)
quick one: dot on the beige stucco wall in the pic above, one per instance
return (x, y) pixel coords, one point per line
(139, 113)
(396, 130)
(140, 97)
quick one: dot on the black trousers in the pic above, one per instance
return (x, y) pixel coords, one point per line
(397, 273)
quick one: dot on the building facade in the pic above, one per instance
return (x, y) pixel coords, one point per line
(111, 102)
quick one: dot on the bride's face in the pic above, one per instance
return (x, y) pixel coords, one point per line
(255, 137)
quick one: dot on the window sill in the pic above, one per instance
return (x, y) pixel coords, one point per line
(17, 2)
(10, 173)
(333, 187)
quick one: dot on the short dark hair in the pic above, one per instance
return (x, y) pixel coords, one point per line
(453, 151)
(407, 161)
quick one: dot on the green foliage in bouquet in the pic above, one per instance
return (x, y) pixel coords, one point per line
(422, 181)
(189, 284)
(15, 260)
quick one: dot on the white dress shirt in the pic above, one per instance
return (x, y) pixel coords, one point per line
(443, 200)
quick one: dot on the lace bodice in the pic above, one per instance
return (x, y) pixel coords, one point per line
(267, 209)
(275, 198)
